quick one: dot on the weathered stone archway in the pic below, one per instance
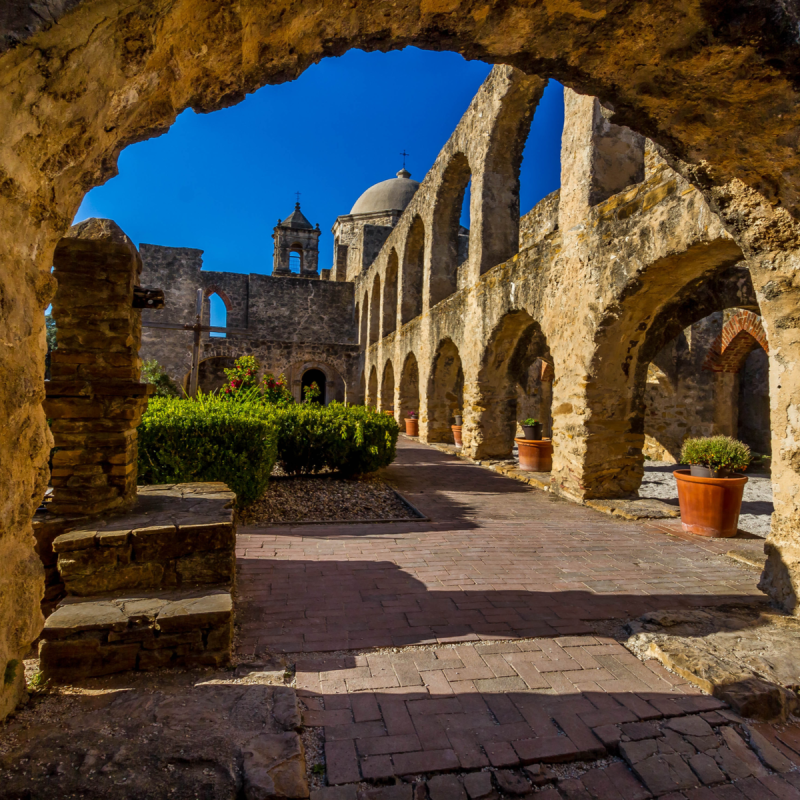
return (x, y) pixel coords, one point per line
(109, 74)
(445, 396)
(386, 402)
(408, 390)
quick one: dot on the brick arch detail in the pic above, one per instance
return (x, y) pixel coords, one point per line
(214, 289)
(740, 335)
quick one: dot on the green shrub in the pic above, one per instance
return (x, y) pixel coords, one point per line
(347, 439)
(716, 452)
(153, 372)
(237, 440)
(530, 421)
(183, 440)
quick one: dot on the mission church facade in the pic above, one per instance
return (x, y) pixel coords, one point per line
(300, 320)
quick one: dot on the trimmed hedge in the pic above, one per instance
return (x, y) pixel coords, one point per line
(184, 440)
(238, 441)
(347, 439)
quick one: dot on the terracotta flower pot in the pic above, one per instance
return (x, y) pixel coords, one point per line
(456, 434)
(412, 427)
(710, 506)
(389, 412)
(535, 455)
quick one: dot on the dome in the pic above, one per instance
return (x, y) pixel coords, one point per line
(391, 195)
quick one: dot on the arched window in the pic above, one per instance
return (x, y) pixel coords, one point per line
(296, 258)
(314, 376)
(218, 314)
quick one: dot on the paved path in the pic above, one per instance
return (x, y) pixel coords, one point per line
(466, 644)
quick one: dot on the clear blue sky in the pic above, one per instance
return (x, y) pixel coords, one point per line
(219, 182)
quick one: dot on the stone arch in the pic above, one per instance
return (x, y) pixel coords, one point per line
(214, 289)
(372, 388)
(387, 387)
(495, 226)
(390, 294)
(608, 437)
(515, 344)
(296, 258)
(375, 311)
(363, 327)
(362, 388)
(413, 272)
(742, 334)
(408, 394)
(211, 374)
(206, 316)
(445, 229)
(334, 388)
(445, 392)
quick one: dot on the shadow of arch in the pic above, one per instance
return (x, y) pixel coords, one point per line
(375, 311)
(390, 294)
(372, 388)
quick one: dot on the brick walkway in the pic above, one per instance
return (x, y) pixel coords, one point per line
(489, 663)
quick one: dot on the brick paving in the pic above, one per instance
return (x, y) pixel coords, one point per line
(464, 645)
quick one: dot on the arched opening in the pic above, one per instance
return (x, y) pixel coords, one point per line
(372, 388)
(364, 323)
(408, 396)
(375, 311)
(390, 295)
(448, 234)
(310, 378)
(387, 387)
(445, 392)
(362, 389)
(510, 386)
(211, 374)
(215, 311)
(413, 267)
(296, 258)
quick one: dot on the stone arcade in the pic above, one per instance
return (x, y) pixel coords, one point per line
(647, 234)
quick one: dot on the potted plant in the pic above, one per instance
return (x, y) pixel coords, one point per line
(456, 429)
(710, 491)
(457, 418)
(412, 424)
(535, 453)
(531, 428)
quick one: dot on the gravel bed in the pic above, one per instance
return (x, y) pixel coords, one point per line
(324, 498)
(658, 482)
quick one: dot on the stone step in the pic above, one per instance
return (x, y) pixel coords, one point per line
(139, 630)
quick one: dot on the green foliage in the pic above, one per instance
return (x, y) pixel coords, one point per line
(52, 336)
(206, 440)
(318, 769)
(347, 439)
(10, 672)
(237, 440)
(530, 421)
(716, 452)
(37, 684)
(275, 390)
(312, 393)
(154, 373)
(243, 376)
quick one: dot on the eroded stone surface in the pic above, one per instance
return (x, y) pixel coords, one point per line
(746, 657)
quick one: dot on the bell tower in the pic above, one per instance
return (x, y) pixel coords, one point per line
(296, 247)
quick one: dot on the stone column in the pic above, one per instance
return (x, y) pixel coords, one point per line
(95, 400)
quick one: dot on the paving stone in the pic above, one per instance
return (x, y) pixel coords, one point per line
(341, 762)
(706, 769)
(573, 789)
(335, 793)
(662, 774)
(478, 785)
(742, 752)
(767, 752)
(690, 726)
(428, 761)
(639, 730)
(615, 780)
(274, 767)
(634, 752)
(446, 787)
(400, 791)
(512, 782)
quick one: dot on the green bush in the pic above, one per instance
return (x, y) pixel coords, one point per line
(716, 452)
(182, 440)
(153, 372)
(237, 440)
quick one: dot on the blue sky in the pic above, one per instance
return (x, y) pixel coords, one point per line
(219, 182)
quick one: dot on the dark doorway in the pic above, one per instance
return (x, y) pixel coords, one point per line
(314, 376)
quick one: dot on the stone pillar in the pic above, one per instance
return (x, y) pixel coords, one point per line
(95, 399)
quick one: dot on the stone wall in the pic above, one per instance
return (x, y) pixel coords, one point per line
(75, 100)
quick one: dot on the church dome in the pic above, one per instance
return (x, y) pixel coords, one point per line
(391, 195)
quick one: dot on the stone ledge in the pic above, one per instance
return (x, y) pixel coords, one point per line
(104, 635)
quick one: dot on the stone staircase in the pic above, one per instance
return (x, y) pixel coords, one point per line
(146, 589)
